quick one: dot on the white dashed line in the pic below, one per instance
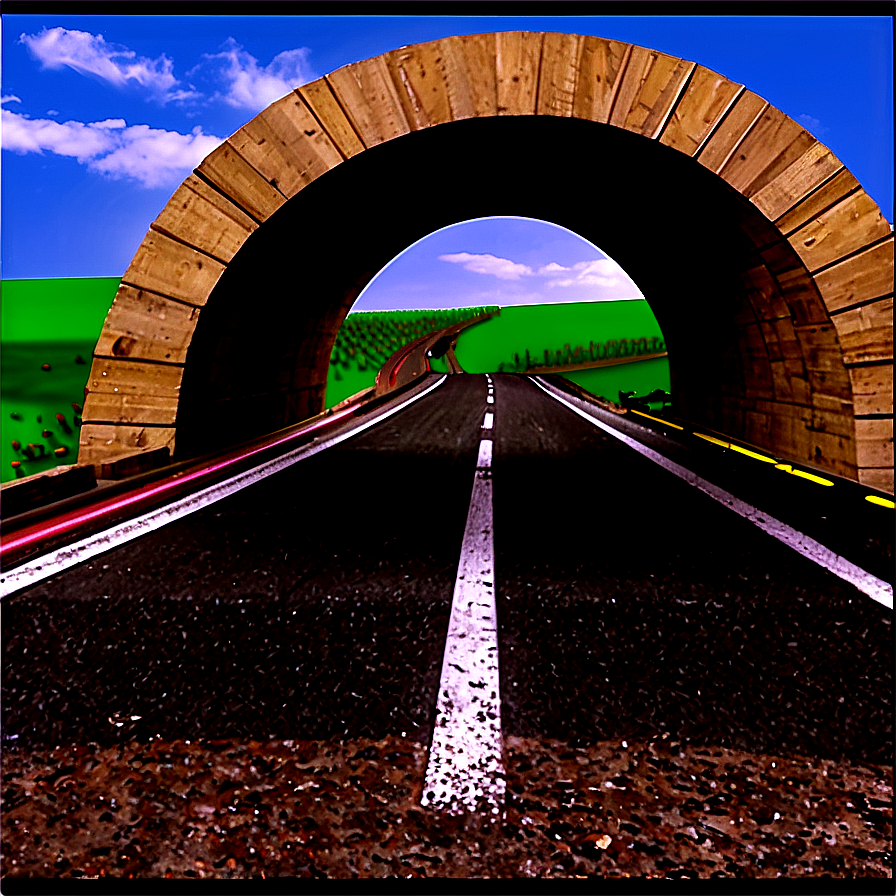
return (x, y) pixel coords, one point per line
(813, 550)
(490, 399)
(465, 771)
(39, 568)
(488, 420)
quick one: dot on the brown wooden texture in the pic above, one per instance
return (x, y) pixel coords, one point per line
(649, 87)
(319, 97)
(367, 94)
(600, 70)
(771, 146)
(847, 227)
(560, 63)
(861, 277)
(700, 108)
(818, 201)
(736, 123)
(872, 388)
(866, 333)
(516, 71)
(880, 478)
(874, 443)
(757, 372)
(102, 443)
(795, 182)
(419, 76)
(471, 76)
(146, 326)
(200, 216)
(148, 382)
(168, 267)
(287, 145)
(236, 178)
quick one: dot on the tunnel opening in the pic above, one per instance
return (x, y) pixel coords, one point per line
(707, 260)
(555, 301)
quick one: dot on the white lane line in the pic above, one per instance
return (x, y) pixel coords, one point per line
(488, 420)
(465, 770)
(490, 399)
(39, 568)
(875, 588)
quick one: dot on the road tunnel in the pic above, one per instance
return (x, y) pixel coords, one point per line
(768, 268)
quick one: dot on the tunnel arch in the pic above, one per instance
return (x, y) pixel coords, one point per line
(763, 259)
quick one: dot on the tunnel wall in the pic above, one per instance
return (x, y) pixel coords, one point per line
(793, 310)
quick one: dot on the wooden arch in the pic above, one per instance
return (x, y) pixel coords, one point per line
(798, 258)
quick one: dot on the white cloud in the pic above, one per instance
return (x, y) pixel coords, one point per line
(598, 272)
(252, 86)
(9, 99)
(502, 268)
(89, 54)
(601, 272)
(150, 156)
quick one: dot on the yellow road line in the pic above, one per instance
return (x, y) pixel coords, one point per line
(803, 474)
(884, 502)
(664, 422)
(711, 439)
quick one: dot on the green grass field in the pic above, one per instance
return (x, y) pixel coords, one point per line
(485, 347)
(54, 322)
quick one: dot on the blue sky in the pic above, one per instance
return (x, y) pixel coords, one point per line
(103, 116)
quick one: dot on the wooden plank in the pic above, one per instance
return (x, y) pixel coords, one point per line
(320, 99)
(880, 478)
(516, 71)
(103, 443)
(773, 144)
(702, 105)
(847, 227)
(287, 145)
(815, 203)
(368, 96)
(736, 124)
(649, 87)
(420, 78)
(236, 178)
(787, 430)
(199, 215)
(560, 60)
(801, 297)
(874, 443)
(796, 181)
(776, 351)
(866, 332)
(872, 388)
(823, 361)
(833, 417)
(165, 266)
(472, 87)
(146, 326)
(868, 275)
(105, 407)
(790, 381)
(602, 63)
(121, 377)
(763, 293)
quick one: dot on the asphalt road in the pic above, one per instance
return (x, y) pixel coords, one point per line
(315, 604)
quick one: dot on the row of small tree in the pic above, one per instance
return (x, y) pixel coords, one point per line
(581, 354)
(367, 339)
